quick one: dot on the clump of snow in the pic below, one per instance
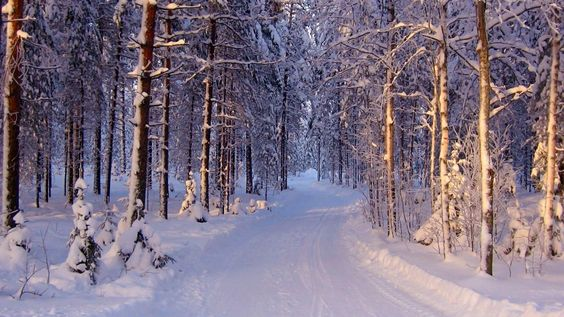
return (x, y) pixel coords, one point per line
(15, 246)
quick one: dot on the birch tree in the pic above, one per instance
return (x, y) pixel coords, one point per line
(486, 171)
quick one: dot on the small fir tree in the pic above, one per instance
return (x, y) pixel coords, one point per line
(84, 252)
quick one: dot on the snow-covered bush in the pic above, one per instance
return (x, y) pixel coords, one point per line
(15, 246)
(106, 230)
(190, 197)
(214, 206)
(84, 252)
(252, 207)
(138, 246)
(235, 206)
(463, 185)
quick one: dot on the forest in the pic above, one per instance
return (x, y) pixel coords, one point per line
(445, 115)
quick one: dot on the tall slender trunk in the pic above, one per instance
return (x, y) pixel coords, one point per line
(206, 126)
(190, 136)
(47, 163)
(137, 179)
(486, 171)
(69, 156)
(38, 170)
(443, 112)
(12, 104)
(248, 161)
(551, 131)
(432, 134)
(223, 151)
(283, 119)
(97, 156)
(319, 156)
(389, 133)
(122, 130)
(112, 121)
(163, 212)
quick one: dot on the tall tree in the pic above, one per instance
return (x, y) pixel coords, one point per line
(138, 176)
(12, 102)
(486, 170)
(551, 168)
(207, 114)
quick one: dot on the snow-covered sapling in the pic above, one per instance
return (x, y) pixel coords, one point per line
(84, 252)
(106, 231)
(138, 245)
(190, 197)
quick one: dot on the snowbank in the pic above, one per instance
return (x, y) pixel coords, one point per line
(375, 253)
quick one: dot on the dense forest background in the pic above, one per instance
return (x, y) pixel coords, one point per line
(455, 105)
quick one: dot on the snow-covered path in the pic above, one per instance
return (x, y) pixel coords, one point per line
(291, 262)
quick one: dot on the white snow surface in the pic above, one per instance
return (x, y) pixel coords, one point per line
(312, 254)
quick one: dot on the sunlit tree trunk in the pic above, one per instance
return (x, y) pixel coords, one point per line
(206, 125)
(389, 133)
(486, 171)
(548, 217)
(138, 177)
(443, 112)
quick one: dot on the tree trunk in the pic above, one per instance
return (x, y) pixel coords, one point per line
(112, 121)
(389, 134)
(38, 174)
(69, 157)
(122, 129)
(163, 212)
(12, 103)
(206, 126)
(548, 217)
(486, 171)
(432, 134)
(319, 156)
(97, 156)
(190, 137)
(138, 177)
(443, 112)
(248, 161)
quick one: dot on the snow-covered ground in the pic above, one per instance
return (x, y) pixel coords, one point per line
(311, 255)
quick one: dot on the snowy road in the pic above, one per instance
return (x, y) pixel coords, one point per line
(291, 262)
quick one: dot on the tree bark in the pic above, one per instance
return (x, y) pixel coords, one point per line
(389, 134)
(443, 112)
(12, 104)
(97, 156)
(248, 161)
(551, 168)
(138, 177)
(486, 171)
(190, 137)
(163, 212)
(112, 121)
(206, 126)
